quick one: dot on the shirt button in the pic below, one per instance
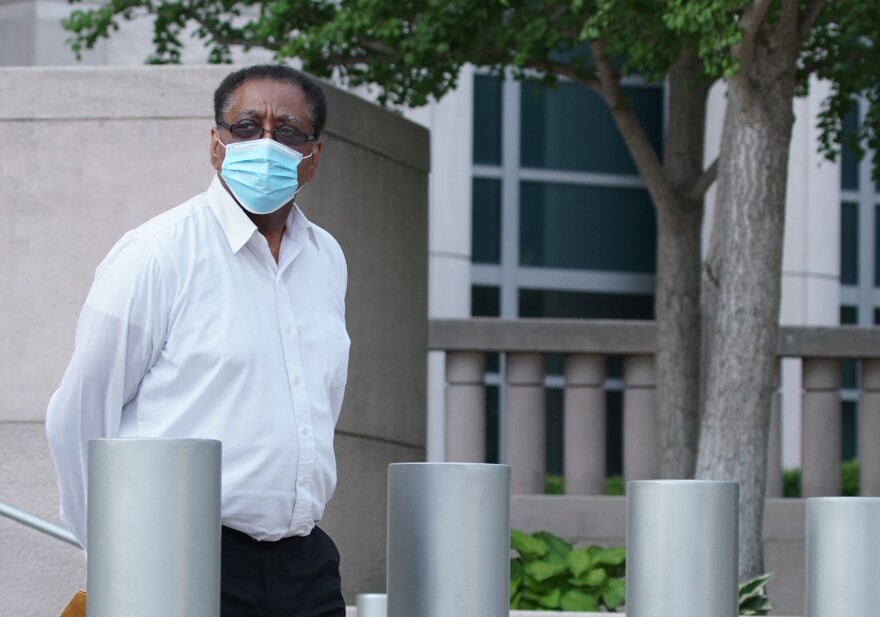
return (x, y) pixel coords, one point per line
(304, 431)
(303, 482)
(288, 329)
(296, 380)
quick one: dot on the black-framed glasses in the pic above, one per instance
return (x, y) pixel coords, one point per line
(247, 130)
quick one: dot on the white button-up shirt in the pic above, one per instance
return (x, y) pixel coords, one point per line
(191, 329)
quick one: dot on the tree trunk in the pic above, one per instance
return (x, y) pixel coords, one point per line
(742, 282)
(677, 300)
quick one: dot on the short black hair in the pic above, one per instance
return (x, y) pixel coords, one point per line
(317, 103)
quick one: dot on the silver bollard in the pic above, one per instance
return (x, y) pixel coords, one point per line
(448, 540)
(843, 556)
(154, 528)
(372, 605)
(682, 548)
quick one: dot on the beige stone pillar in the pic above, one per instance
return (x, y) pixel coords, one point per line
(525, 424)
(584, 434)
(869, 429)
(820, 440)
(774, 442)
(465, 407)
(640, 455)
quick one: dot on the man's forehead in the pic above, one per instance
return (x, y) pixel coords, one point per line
(256, 93)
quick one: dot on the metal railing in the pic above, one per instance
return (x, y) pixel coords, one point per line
(35, 522)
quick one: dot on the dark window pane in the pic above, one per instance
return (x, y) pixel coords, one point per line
(492, 454)
(614, 434)
(849, 162)
(849, 434)
(487, 120)
(571, 128)
(586, 227)
(486, 215)
(877, 317)
(485, 301)
(553, 436)
(849, 243)
(584, 305)
(849, 315)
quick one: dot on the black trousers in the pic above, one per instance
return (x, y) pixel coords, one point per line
(293, 577)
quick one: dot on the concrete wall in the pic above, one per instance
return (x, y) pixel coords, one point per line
(92, 152)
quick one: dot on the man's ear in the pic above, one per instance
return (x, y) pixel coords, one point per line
(308, 166)
(217, 149)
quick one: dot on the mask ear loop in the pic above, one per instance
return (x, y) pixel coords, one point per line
(301, 186)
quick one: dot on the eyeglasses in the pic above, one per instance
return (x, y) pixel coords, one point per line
(284, 134)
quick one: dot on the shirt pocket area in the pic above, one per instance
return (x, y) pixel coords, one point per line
(335, 345)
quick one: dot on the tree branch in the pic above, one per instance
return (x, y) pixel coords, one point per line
(704, 182)
(750, 24)
(646, 159)
(808, 19)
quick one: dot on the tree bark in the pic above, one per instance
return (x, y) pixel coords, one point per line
(742, 280)
(679, 261)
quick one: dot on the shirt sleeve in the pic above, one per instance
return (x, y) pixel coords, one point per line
(120, 332)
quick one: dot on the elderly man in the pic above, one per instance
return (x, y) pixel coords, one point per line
(224, 318)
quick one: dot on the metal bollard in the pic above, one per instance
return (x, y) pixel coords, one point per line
(448, 540)
(843, 556)
(682, 548)
(154, 528)
(372, 605)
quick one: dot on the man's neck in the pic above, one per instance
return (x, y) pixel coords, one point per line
(272, 227)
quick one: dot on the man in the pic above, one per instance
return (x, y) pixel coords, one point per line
(224, 318)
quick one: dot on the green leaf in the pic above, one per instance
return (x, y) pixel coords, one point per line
(551, 599)
(543, 570)
(754, 586)
(554, 543)
(610, 556)
(596, 577)
(527, 546)
(614, 594)
(576, 600)
(578, 561)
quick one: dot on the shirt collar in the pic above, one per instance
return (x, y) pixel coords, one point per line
(238, 228)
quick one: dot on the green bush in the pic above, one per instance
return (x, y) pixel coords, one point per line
(554, 484)
(614, 485)
(849, 480)
(550, 574)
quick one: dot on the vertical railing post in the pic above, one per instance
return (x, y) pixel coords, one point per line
(525, 423)
(843, 556)
(154, 527)
(821, 428)
(774, 442)
(682, 548)
(584, 424)
(465, 407)
(869, 430)
(640, 451)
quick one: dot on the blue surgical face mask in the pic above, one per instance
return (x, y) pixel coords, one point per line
(261, 173)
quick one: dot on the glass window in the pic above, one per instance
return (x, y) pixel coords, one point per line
(876, 246)
(584, 305)
(849, 315)
(553, 431)
(485, 301)
(570, 128)
(849, 431)
(849, 243)
(586, 227)
(486, 219)
(849, 162)
(487, 120)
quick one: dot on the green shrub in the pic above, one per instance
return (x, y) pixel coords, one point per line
(614, 485)
(550, 574)
(849, 480)
(554, 484)
(791, 482)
